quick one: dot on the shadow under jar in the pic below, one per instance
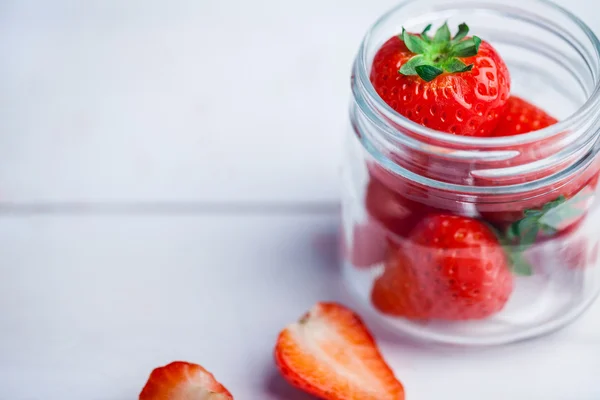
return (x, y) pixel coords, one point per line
(531, 199)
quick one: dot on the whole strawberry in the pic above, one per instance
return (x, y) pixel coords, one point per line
(555, 209)
(368, 244)
(457, 84)
(520, 116)
(393, 209)
(450, 268)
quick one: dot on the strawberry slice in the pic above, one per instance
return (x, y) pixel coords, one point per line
(331, 354)
(181, 380)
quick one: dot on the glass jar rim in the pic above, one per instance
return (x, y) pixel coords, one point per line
(591, 104)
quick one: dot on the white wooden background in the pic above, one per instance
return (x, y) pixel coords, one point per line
(144, 216)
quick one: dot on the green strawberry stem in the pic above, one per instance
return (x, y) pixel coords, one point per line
(549, 219)
(523, 234)
(442, 53)
(515, 254)
(520, 265)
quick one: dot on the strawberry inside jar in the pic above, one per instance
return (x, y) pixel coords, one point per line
(479, 193)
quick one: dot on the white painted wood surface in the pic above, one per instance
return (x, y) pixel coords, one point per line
(91, 303)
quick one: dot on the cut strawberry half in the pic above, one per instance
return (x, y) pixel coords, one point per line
(331, 354)
(181, 380)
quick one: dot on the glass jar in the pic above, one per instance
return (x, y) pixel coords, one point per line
(400, 177)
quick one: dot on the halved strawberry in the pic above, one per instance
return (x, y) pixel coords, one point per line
(181, 380)
(330, 354)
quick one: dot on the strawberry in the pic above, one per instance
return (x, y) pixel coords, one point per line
(450, 268)
(183, 381)
(369, 244)
(551, 213)
(574, 198)
(559, 216)
(391, 214)
(331, 354)
(456, 85)
(520, 116)
(392, 209)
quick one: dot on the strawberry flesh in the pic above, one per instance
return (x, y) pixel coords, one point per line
(330, 354)
(181, 380)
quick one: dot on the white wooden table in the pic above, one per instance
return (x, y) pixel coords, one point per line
(143, 217)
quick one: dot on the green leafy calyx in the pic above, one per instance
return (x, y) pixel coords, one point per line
(440, 53)
(549, 219)
(514, 253)
(545, 221)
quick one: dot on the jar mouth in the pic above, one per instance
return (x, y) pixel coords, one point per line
(389, 116)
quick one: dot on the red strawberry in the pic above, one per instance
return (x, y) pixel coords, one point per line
(568, 201)
(559, 216)
(183, 381)
(526, 223)
(369, 244)
(520, 116)
(457, 85)
(450, 268)
(331, 354)
(391, 214)
(392, 209)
